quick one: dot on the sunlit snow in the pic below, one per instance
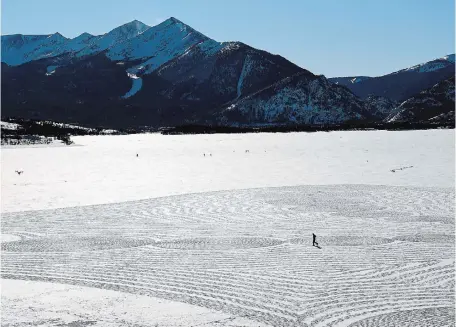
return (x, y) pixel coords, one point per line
(216, 230)
(135, 86)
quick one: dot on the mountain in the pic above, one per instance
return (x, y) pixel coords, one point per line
(302, 98)
(434, 104)
(168, 75)
(347, 81)
(19, 49)
(403, 84)
(116, 36)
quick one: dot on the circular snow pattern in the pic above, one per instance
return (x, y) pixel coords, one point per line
(5, 238)
(411, 318)
(71, 244)
(219, 243)
(343, 241)
(387, 253)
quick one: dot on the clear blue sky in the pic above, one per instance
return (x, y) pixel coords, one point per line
(330, 37)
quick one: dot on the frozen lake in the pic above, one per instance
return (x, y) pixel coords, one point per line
(197, 231)
(105, 169)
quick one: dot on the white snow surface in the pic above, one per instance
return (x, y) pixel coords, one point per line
(450, 58)
(9, 238)
(8, 125)
(105, 169)
(51, 70)
(239, 257)
(78, 306)
(135, 86)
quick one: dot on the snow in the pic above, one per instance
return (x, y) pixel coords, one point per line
(211, 47)
(157, 45)
(81, 306)
(50, 70)
(230, 46)
(104, 169)
(246, 69)
(7, 125)
(450, 58)
(63, 125)
(116, 36)
(9, 238)
(306, 104)
(109, 131)
(223, 239)
(432, 65)
(19, 49)
(135, 86)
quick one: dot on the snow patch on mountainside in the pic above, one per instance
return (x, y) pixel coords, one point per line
(51, 70)
(450, 58)
(135, 86)
(358, 79)
(246, 69)
(428, 67)
(431, 66)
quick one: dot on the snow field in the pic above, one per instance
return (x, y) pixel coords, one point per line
(105, 169)
(237, 250)
(386, 251)
(66, 305)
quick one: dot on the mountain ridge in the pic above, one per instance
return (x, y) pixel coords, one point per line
(402, 84)
(171, 74)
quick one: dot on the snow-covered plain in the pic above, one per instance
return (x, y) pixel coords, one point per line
(105, 169)
(220, 235)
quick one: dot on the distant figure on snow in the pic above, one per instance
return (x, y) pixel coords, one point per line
(314, 240)
(19, 172)
(137, 155)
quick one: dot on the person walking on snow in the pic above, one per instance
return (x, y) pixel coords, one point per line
(314, 241)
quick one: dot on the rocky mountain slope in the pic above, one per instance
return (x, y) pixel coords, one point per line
(165, 75)
(434, 104)
(403, 84)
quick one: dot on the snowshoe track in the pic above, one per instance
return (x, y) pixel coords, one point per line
(387, 256)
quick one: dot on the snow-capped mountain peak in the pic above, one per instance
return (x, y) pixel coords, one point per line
(449, 58)
(128, 30)
(157, 45)
(118, 35)
(18, 49)
(84, 36)
(432, 65)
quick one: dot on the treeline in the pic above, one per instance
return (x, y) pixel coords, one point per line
(53, 129)
(352, 126)
(45, 128)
